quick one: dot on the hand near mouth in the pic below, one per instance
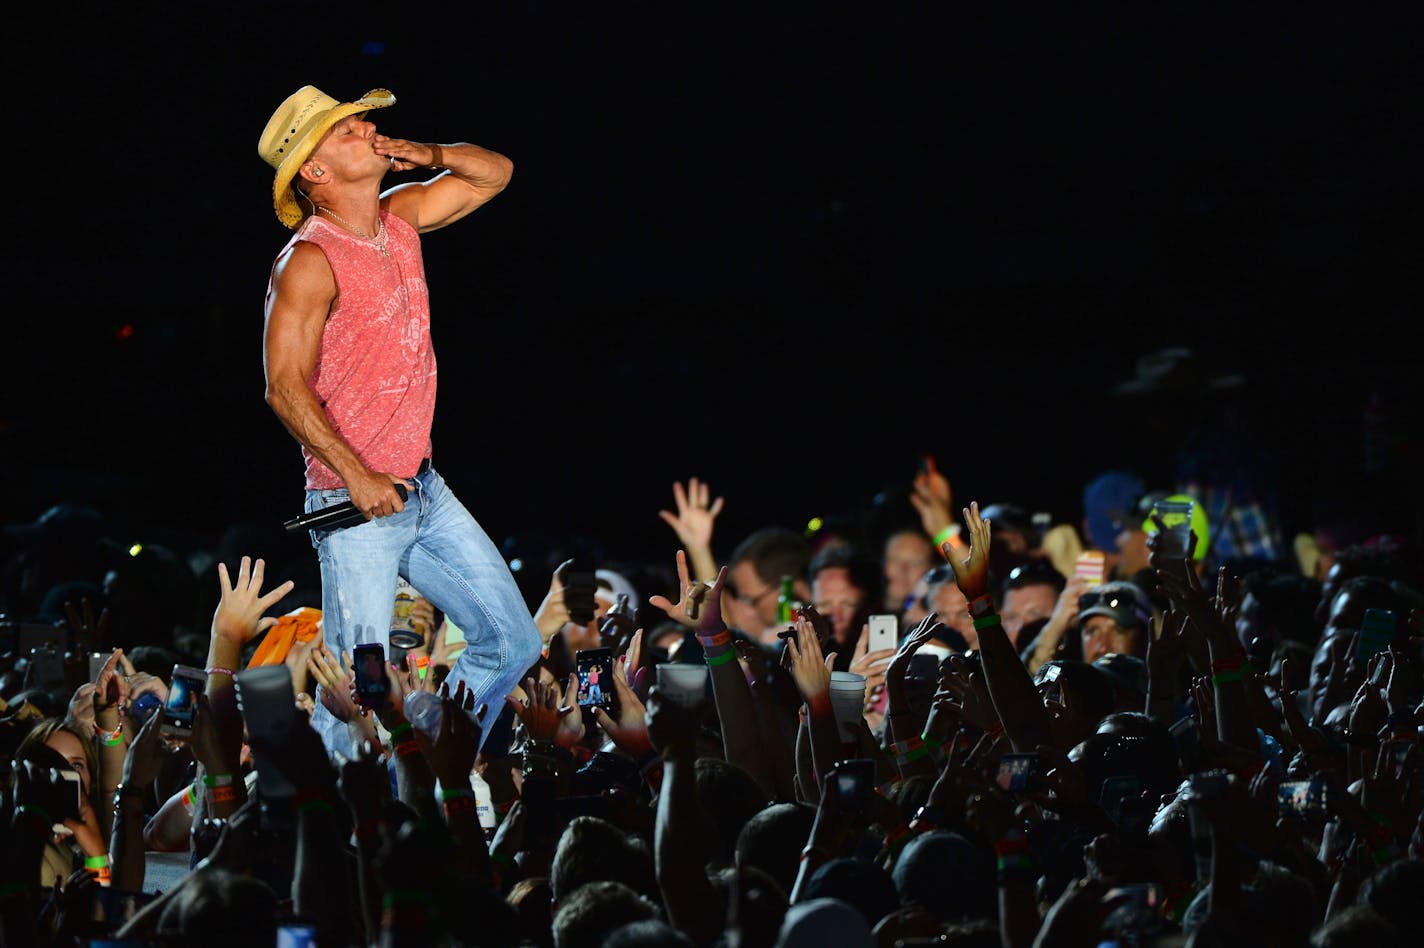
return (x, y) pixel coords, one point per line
(403, 155)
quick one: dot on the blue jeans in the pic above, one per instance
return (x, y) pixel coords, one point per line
(440, 550)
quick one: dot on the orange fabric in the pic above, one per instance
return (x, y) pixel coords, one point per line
(301, 626)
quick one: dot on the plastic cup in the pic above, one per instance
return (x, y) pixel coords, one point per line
(848, 703)
(683, 683)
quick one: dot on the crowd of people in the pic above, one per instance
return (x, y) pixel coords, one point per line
(1077, 735)
(1154, 723)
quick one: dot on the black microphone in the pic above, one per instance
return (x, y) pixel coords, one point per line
(334, 517)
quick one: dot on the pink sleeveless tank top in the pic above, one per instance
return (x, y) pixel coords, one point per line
(375, 371)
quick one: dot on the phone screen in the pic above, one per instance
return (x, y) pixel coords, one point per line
(1304, 797)
(595, 677)
(1016, 770)
(1090, 566)
(182, 703)
(372, 686)
(1376, 633)
(854, 779)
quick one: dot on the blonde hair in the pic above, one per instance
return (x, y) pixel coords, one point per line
(44, 730)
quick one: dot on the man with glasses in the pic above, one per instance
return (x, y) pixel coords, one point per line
(755, 570)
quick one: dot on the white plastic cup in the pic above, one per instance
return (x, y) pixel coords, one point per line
(848, 703)
(684, 683)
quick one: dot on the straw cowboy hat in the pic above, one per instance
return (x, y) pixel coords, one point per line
(294, 130)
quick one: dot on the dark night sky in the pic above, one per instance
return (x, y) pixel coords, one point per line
(785, 251)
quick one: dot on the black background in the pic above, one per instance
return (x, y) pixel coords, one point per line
(786, 248)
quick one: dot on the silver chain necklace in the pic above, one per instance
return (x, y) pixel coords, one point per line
(379, 240)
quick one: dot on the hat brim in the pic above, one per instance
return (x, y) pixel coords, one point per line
(284, 200)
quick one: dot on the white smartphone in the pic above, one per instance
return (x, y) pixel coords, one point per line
(884, 633)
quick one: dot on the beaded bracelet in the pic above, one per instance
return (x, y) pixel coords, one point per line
(110, 738)
(217, 670)
(714, 660)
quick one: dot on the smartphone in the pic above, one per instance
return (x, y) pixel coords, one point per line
(46, 668)
(182, 704)
(1091, 565)
(579, 587)
(854, 782)
(369, 667)
(1376, 634)
(1302, 797)
(884, 632)
(1017, 771)
(595, 677)
(268, 706)
(142, 707)
(97, 661)
(73, 802)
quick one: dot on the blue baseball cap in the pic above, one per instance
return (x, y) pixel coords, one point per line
(1107, 501)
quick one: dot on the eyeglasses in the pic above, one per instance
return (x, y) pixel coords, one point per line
(753, 601)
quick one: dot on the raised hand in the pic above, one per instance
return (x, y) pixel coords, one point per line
(618, 625)
(670, 724)
(629, 731)
(972, 572)
(146, 755)
(239, 617)
(932, 498)
(88, 630)
(967, 693)
(689, 590)
(900, 664)
(870, 664)
(111, 688)
(696, 514)
(809, 668)
(553, 613)
(452, 753)
(335, 685)
(542, 711)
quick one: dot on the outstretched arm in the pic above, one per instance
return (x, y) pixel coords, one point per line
(1025, 719)
(474, 175)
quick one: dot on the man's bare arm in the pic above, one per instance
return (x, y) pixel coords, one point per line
(475, 175)
(303, 291)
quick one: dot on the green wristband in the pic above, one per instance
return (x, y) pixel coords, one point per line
(96, 862)
(400, 729)
(948, 533)
(983, 622)
(448, 795)
(714, 660)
